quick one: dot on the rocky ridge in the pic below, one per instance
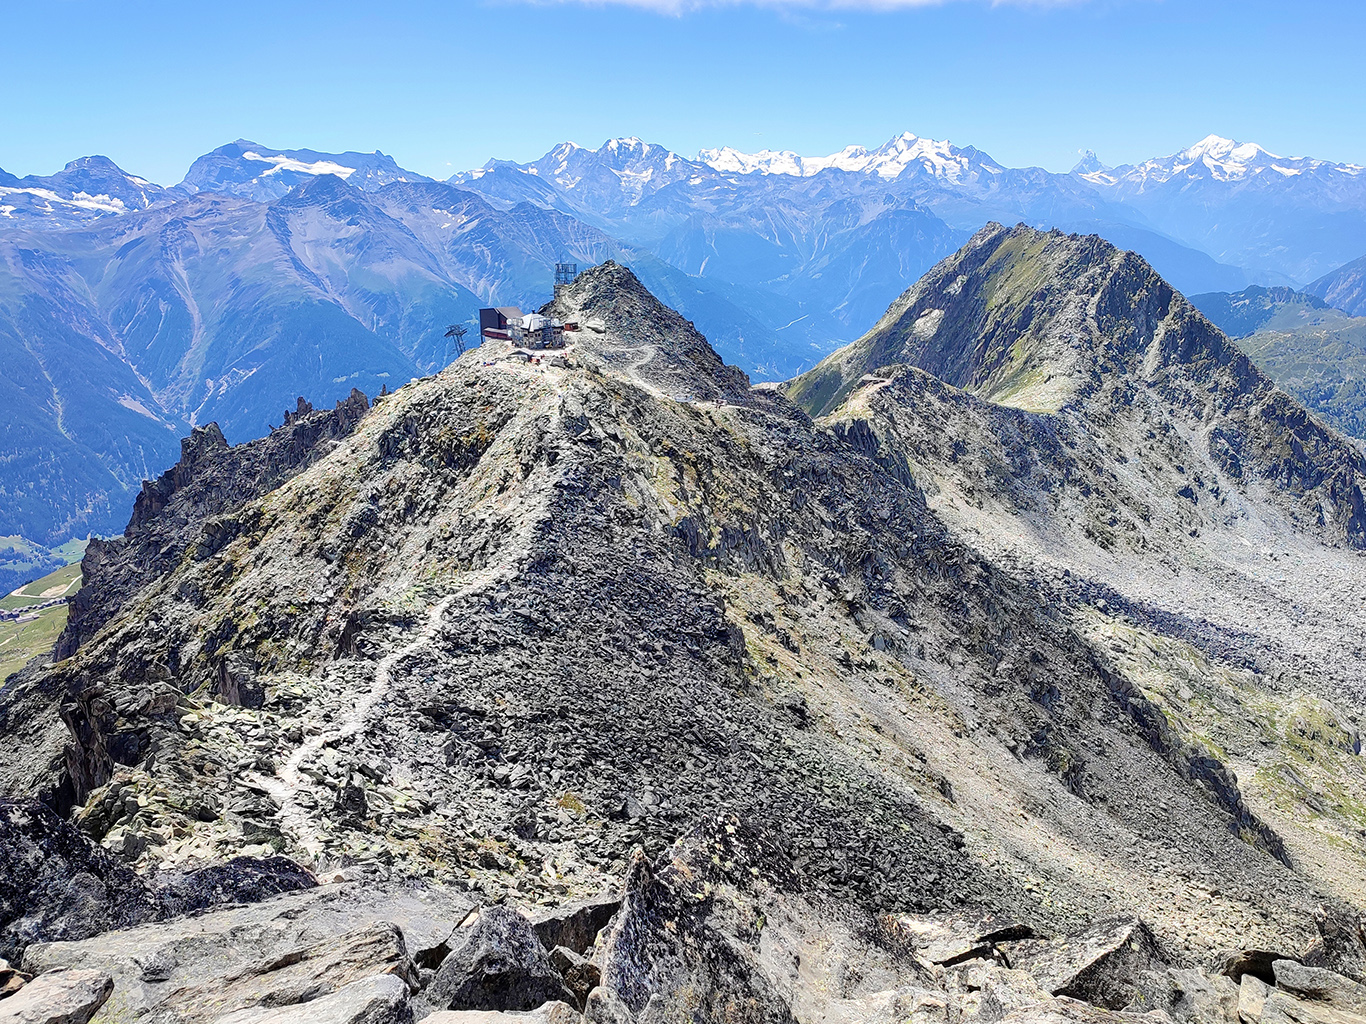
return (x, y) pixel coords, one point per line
(1107, 479)
(525, 618)
(210, 480)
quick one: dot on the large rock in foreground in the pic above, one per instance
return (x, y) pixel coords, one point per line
(382, 999)
(500, 965)
(1099, 965)
(286, 951)
(61, 997)
(56, 884)
(722, 928)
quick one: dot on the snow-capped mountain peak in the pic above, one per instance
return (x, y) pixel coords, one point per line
(731, 161)
(246, 169)
(1220, 148)
(767, 161)
(1226, 160)
(554, 164)
(625, 167)
(91, 186)
(1089, 164)
(937, 159)
(632, 151)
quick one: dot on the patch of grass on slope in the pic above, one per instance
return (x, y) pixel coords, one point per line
(1322, 363)
(1295, 755)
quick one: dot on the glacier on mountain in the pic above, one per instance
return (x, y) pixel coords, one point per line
(939, 159)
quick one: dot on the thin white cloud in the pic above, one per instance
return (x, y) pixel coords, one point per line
(678, 7)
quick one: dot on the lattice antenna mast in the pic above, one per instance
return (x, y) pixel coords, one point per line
(457, 332)
(564, 276)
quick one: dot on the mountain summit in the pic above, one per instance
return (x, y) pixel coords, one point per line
(252, 171)
(85, 189)
(1060, 325)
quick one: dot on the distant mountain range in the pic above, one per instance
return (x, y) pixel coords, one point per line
(1313, 351)
(790, 224)
(1216, 211)
(1239, 314)
(1289, 217)
(130, 311)
(1344, 288)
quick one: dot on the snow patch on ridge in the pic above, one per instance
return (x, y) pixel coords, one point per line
(284, 163)
(132, 404)
(82, 200)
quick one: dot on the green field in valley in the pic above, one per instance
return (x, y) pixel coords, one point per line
(62, 583)
(24, 640)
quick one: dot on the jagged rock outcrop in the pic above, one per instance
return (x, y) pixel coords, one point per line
(189, 507)
(1341, 945)
(240, 880)
(56, 884)
(499, 964)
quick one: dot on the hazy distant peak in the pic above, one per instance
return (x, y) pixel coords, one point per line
(248, 169)
(1089, 164)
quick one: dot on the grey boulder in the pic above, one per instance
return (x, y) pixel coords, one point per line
(550, 1013)
(1186, 994)
(1252, 996)
(1318, 985)
(575, 925)
(1106, 964)
(291, 949)
(499, 965)
(1283, 1008)
(579, 974)
(380, 999)
(60, 997)
(1234, 964)
(953, 940)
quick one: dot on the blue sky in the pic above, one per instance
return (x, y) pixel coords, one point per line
(444, 85)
